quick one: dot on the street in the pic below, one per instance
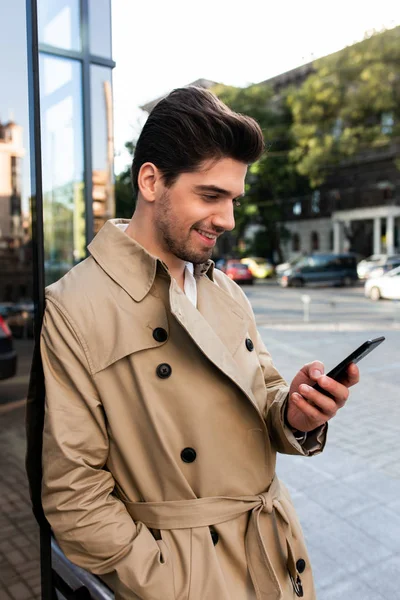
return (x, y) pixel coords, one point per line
(348, 498)
(337, 308)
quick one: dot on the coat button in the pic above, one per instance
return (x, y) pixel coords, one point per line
(163, 371)
(249, 345)
(300, 565)
(214, 536)
(159, 334)
(188, 455)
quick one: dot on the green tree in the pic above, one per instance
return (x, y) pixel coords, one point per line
(350, 103)
(124, 196)
(273, 179)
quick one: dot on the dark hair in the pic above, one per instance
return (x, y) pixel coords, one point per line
(192, 125)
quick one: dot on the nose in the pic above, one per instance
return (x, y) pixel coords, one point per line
(224, 218)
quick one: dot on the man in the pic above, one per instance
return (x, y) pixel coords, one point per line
(164, 411)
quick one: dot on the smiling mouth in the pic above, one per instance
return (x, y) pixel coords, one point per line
(210, 236)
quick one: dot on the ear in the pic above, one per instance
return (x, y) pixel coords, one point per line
(148, 180)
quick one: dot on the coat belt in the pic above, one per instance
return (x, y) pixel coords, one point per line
(203, 512)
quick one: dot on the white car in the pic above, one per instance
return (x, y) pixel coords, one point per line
(366, 265)
(387, 286)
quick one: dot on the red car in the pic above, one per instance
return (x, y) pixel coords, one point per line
(238, 272)
(8, 356)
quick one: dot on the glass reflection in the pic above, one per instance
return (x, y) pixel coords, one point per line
(16, 306)
(16, 280)
(59, 23)
(102, 146)
(62, 165)
(100, 27)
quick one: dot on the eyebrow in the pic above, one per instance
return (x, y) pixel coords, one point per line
(215, 188)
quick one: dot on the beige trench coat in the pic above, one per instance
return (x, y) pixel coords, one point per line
(161, 431)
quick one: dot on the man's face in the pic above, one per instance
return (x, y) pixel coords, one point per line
(192, 213)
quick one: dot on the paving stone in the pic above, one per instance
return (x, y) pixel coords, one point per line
(16, 558)
(19, 591)
(8, 575)
(314, 517)
(380, 523)
(350, 588)
(326, 570)
(384, 576)
(350, 546)
(341, 498)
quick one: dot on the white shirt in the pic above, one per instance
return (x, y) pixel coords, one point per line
(190, 286)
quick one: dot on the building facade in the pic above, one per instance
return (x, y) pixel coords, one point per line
(357, 208)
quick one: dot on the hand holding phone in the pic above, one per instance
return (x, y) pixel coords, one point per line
(338, 373)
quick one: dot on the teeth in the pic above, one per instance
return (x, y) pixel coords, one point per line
(207, 235)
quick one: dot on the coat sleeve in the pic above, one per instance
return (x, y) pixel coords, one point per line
(277, 397)
(91, 525)
(277, 391)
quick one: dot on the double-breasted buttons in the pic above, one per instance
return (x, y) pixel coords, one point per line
(214, 536)
(163, 370)
(249, 345)
(160, 335)
(300, 565)
(188, 455)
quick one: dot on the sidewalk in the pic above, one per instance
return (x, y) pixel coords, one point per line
(348, 498)
(19, 534)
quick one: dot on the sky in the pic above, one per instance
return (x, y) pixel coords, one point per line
(163, 44)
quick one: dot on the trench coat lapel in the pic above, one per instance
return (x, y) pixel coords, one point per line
(217, 327)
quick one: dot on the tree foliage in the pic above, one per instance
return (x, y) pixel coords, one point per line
(124, 196)
(274, 177)
(350, 103)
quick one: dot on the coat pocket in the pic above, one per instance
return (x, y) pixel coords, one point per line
(154, 570)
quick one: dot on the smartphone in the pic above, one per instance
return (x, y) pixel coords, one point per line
(338, 373)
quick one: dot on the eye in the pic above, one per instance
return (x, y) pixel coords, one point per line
(210, 197)
(236, 202)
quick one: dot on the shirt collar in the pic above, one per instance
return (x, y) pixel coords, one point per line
(128, 263)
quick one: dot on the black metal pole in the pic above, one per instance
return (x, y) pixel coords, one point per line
(35, 402)
(87, 124)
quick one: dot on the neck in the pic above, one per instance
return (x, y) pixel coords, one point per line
(142, 231)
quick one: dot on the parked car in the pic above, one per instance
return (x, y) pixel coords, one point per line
(279, 269)
(259, 267)
(238, 272)
(391, 263)
(20, 319)
(8, 356)
(337, 269)
(366, 265)
(386, 286)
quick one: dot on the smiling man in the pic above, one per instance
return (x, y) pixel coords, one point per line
(164, 411)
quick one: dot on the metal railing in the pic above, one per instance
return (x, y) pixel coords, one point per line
(72, 582)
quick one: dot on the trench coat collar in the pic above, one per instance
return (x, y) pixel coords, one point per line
(128, 263)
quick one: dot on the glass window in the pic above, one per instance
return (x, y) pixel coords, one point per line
(58, 23)
(295, 242)
(102, 146)
(100, 27)
(16, 303)
(315, 201)
(62, 165)
(387, 123)
(314, 240)
(16, 270)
